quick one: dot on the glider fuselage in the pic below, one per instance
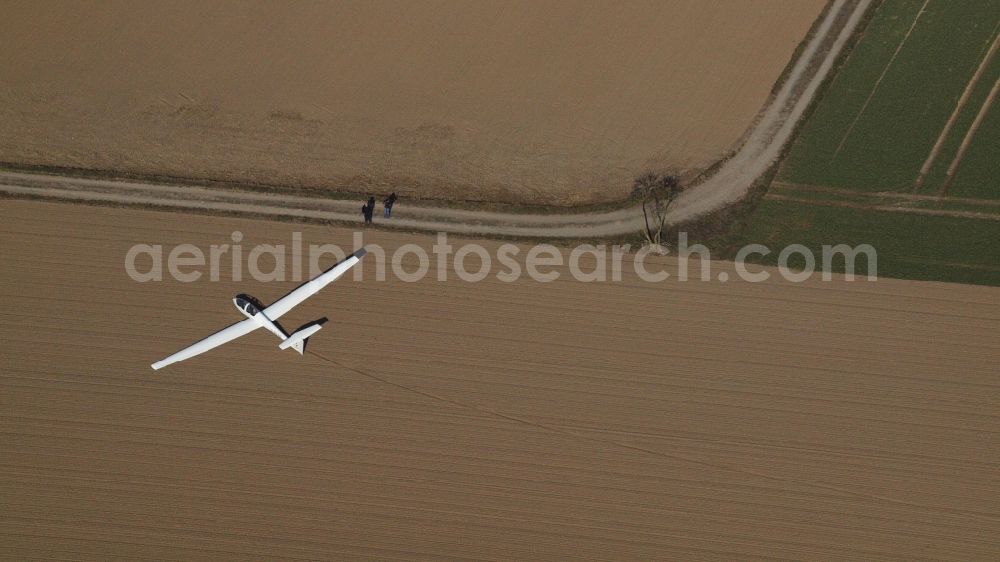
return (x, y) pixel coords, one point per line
(252, 308)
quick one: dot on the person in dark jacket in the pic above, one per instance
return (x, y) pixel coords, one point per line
(368, 209)
(388, 203)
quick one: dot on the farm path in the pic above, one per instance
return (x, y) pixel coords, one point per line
(729, 184)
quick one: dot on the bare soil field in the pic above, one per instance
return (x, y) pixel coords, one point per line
(549, 102)
(491, 420)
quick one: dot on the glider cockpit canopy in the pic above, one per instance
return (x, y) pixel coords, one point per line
(248, 304)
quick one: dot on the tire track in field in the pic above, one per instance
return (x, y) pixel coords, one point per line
(878, 82)
(926, 167)
(949, 176)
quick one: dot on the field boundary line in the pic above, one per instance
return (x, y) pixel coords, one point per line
(980, 70)
(885, 208)
(949, 176)
(788, 186)
(971, 266)
(878, 82)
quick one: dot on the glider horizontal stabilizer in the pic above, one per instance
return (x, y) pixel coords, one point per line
(298, 338)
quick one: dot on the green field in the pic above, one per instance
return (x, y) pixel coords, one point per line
(872, 135)
(849, 177)
(909, 246)
(979, 173)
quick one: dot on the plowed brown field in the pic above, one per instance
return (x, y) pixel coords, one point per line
(521, 421)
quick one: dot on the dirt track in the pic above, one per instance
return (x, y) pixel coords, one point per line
(618, 420)
(731, 182)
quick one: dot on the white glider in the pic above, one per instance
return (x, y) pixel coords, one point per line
(265, 317)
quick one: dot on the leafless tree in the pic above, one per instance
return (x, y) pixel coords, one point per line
(657, 193)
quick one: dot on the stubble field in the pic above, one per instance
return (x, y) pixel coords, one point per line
(543, 102)
(488, 420)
